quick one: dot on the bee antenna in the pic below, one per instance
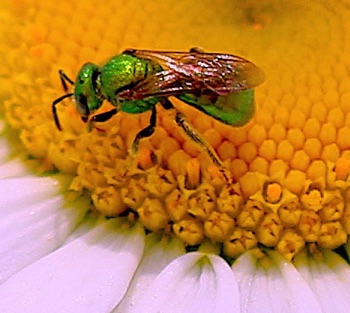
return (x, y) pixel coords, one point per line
(64, 79)
(54, 110)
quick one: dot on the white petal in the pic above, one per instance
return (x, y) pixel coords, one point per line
(13, 168)
(195, 282)
(277, 288)
(329, 278)
(35, 218)
(10, 166)
(89, 274)
(5, 149)
(10, 145)
(158, 254)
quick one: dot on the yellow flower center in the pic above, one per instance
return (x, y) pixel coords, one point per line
(286, 181)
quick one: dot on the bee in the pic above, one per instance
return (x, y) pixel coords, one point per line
(135, 81)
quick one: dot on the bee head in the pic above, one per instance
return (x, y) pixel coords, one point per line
(86, 93)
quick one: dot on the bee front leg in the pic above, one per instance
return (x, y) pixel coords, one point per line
(190, 132)
(99, 118)
(144, 133)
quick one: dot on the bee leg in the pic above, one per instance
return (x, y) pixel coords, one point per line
(129, 51)
(99, 118)
(144, 133)
(196, 50)
(190, 132)
(64, 80)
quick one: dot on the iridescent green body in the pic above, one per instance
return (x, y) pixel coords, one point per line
(220, 85)
(221, 108)
(119, 73)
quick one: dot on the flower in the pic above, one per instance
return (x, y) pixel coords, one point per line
(272, 216)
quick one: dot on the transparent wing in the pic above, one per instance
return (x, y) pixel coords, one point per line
(163, 83)
(195, 72)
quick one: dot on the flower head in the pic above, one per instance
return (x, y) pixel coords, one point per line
(284, 182)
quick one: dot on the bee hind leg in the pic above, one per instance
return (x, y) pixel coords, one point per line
(196, 50)
(190, 132)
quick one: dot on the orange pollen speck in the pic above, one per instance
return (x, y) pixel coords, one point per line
(273, 192)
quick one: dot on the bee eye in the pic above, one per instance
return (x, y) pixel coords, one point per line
(82, 105)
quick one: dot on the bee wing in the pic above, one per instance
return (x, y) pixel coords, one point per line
(201, 72)
(162, 84)
(221, 85)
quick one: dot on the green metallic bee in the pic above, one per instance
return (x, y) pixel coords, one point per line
(220, 85)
